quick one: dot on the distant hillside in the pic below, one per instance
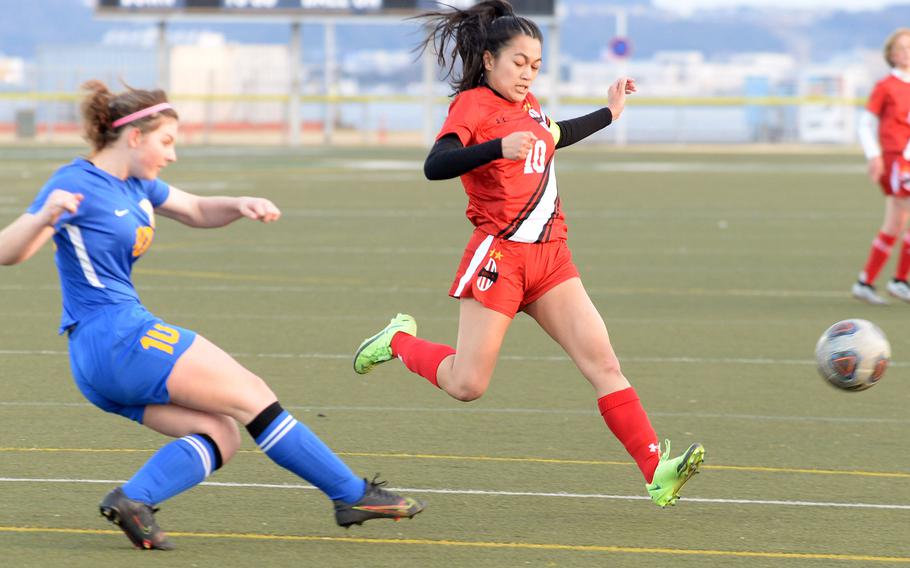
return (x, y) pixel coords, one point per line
(844, 30)
(735, 31)
(29, 24)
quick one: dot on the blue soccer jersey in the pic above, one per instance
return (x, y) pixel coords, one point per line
(97, 246)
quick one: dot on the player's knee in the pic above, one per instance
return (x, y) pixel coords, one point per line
(610, 365)
(605, 367)
(255, 396)
(469, 388)
(224, 431)
(467, 394)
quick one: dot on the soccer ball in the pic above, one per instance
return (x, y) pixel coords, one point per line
(853, 354)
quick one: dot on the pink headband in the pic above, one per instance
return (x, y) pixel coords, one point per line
(141, 114)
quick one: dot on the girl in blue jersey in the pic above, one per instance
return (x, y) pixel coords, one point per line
(100, 211)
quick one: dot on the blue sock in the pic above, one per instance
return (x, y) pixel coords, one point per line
(294, 447)
(173, 469)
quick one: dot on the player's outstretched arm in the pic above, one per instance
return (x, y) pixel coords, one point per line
(211, 212)
(22, 238)
(616, 95)
(577, 129)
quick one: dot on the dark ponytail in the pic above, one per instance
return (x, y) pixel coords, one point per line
(486, 26)
(101, 107)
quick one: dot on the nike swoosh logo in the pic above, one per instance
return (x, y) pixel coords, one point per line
(383, 508)
(121, 212)
(402, 505)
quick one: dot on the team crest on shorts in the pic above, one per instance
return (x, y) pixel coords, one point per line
(487, 276)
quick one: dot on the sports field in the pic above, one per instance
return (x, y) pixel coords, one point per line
(715, 274)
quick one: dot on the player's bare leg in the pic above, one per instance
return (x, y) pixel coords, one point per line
(568, 315)
(136, 518)
(897, 212)
(466, 374)
(898, 286)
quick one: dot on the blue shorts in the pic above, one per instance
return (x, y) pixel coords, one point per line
(122, 356)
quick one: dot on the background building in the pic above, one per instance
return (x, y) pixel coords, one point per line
(723, 75)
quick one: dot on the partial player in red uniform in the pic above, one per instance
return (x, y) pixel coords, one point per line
(885, 135)
(502, 145)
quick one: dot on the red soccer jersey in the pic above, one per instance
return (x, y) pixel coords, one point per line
(890, 102)
(512, 199)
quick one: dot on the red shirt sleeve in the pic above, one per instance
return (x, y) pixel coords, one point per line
(462, 119)
(877, 99)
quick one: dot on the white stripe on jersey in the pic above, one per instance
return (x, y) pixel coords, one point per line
(82, 254)
(203, 453)
(479, 255)
(530, 229)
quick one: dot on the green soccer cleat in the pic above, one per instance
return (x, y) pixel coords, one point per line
(378, 349)
(672, 474)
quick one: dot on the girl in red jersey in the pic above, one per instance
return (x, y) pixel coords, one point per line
(502, 145)
(885, 136)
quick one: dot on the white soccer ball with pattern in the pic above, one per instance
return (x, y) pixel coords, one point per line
(853, 354)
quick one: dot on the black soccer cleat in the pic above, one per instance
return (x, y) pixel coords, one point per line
(136, 520)
(376, 503)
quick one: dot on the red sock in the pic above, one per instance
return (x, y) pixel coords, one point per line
(878, 256)
(627, 420)
(903, 265)
(419, 355)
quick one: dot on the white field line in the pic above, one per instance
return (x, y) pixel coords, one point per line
(306, 159)
(371, 288)
(646, 167)
(453, 252)
(719, 168)
(465, 409)
(456, 216)
(386, 165)
(416, 167)
(492, 493)
(381, 317)
(617, 213)
(450, 253)
(540, 358)
(555, 358)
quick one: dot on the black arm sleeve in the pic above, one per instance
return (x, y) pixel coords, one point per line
(449, 159)
(573, 130)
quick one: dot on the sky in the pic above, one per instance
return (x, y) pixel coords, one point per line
(688, 6)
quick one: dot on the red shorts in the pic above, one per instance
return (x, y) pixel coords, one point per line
(896, 178)
(506, 276)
